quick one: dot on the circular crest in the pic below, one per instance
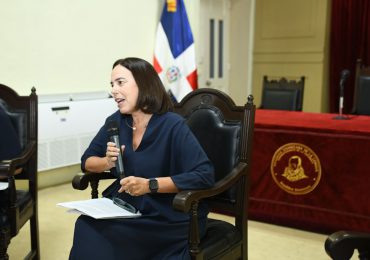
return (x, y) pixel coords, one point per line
(173, 73)
(296, 168)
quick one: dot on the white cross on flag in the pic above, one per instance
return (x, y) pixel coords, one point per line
(174, 53)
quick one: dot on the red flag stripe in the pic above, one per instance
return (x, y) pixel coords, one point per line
(193, 79)
(156, 65)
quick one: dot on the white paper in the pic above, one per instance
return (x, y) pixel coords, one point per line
(3, 185)
(98, 208)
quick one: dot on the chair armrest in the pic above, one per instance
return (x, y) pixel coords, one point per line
(81, 180)
(184, 199)
(9, 167)
(341, 244)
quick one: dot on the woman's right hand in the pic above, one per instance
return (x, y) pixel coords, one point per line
(101, 164)
(112, 153)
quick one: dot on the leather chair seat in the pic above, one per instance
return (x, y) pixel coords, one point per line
(24, 202)
(220, 235)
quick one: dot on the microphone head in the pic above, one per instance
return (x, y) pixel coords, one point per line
(344, 74)
(113, 128)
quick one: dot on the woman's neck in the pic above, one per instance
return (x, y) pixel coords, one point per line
(140, 120)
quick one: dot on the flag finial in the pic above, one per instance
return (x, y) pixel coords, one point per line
(171, 6)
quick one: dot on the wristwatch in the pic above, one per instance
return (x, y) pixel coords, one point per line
(153, 185)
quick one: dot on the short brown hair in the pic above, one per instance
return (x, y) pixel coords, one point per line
(153, 97)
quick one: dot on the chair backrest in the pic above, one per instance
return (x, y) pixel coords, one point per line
(22, 111)
(16, 122)
(361, 97)
(20, 205)
(225, 132)
(282, 94)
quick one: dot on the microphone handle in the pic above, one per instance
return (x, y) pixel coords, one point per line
(341, 87)
(341, 95)
(119, 162)
(341, 105)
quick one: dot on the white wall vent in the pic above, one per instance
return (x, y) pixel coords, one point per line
(66, 125)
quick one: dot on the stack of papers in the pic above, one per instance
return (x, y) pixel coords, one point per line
(3, 185)
(98, 208)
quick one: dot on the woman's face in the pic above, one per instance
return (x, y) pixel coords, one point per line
(124, 89)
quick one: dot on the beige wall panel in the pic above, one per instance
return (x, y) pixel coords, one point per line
(290, 26)
(291, 41)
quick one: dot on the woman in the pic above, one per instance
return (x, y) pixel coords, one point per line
(160, 157)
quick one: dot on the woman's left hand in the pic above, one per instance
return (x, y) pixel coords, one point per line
(135, 186)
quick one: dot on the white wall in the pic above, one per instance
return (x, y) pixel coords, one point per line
(70, 46)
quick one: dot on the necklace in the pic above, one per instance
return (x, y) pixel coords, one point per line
(133, 127)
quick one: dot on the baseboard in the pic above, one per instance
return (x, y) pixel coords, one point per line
(57, 176)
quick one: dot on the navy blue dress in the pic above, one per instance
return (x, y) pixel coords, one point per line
(168, 148)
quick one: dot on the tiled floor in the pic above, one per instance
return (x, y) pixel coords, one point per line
(56, 231)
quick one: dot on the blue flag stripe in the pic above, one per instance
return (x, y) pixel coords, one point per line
(177, 28)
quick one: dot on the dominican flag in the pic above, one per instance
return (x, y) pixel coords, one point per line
(174, 53)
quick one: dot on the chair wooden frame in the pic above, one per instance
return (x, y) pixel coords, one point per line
(361, 104)
(341, 245)
(22, 205)
(292, 90)
(237, 178)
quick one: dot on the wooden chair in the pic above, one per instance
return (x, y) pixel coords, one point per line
(361, 97)
(20, 205)
(282, 94)
(342, 244)
(225, 131)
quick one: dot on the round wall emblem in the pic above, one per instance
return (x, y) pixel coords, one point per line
(296, 168)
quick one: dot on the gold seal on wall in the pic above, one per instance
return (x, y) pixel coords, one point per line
(296, 168)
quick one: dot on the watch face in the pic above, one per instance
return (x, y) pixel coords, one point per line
(153, 185)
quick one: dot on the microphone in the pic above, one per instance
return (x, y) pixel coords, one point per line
(113, 133)
(343, 77)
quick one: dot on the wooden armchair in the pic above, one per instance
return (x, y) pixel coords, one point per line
(342, 244)
(225, 132)
(20, 205)
(282, 94)
(361, 104)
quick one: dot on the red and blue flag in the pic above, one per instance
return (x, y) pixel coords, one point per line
(174, 53)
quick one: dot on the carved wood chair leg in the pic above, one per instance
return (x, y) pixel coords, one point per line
(194, 236)
(94, 189)
(35, 240)
(4, 242)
